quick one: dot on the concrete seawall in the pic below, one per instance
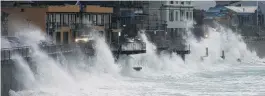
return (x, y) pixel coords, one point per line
(8, 69)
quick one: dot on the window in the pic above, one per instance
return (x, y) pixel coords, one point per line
(61, 19)
(73, 18)
(171, 15)
(50, 17)
(77, 19)
(87, 18)
(94, 19)
(191, 15)
(172, 32)
(188, 2)
(66, 19)
(177, 2)
(99, 20)
(171, 2)
(187, 15)
(57, 18)
(181, 15)
(177, 32)
(177, 15)
(182, 3)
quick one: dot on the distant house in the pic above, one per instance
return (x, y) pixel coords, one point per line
(216, 14)
(260, 4)
(245, 18)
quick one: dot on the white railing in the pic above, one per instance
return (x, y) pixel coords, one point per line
(133, 46)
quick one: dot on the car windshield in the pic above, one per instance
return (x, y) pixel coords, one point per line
(84, 36)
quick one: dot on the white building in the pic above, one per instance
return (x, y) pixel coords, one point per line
(172, 14)
(260, 4)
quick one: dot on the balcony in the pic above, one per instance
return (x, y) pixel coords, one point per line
(66, 8)
(98, 9)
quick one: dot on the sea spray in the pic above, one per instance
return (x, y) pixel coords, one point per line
(103, 59)
(48, 72)
(24, 75)
(219, 39)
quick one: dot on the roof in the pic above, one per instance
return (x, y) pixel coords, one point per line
(243, 9)
(217, 8)
(217, 11)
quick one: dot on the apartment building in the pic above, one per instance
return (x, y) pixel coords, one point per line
(130, 17)
(168, 19)
(62, 22)
(127, 19)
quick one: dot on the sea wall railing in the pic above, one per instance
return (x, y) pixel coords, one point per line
(87, 48)
(249, 39)
(131, 46)
(25, 51)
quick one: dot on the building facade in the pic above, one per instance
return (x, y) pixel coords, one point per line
(130, 17)
(62, 23)
(4, 24)
(261, 9)
(170, 18)
(244, 19)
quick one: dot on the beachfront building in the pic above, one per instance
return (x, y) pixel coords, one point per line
(168, 19)
(60, 22)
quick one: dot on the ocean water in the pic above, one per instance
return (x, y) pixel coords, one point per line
(162, 75)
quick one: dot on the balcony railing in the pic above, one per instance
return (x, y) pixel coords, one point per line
(52, 25)
(26, 51)
(133, 46)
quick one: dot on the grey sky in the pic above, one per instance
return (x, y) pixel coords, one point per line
(203, 4)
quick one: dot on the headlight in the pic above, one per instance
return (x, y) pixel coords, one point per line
(86, 39)
(206, 36)
(76, 40)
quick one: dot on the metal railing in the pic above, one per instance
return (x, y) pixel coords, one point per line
(253, 38)
(52, 49)
(7, 53)
(133, 46)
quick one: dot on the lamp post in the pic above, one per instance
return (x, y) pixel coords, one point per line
(119, 34)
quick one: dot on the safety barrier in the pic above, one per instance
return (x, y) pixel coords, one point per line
(87, 48)
(133, 46)
(7, 53)
(249, 39)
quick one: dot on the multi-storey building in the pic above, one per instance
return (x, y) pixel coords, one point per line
(127, 19)
(170, 18)
(130, 17)
(245, 18)
(62, 22)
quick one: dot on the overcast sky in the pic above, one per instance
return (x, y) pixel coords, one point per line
(203, 4)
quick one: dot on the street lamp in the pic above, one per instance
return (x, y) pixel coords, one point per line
(119, 33)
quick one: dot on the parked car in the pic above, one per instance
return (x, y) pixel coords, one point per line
(83, 39)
